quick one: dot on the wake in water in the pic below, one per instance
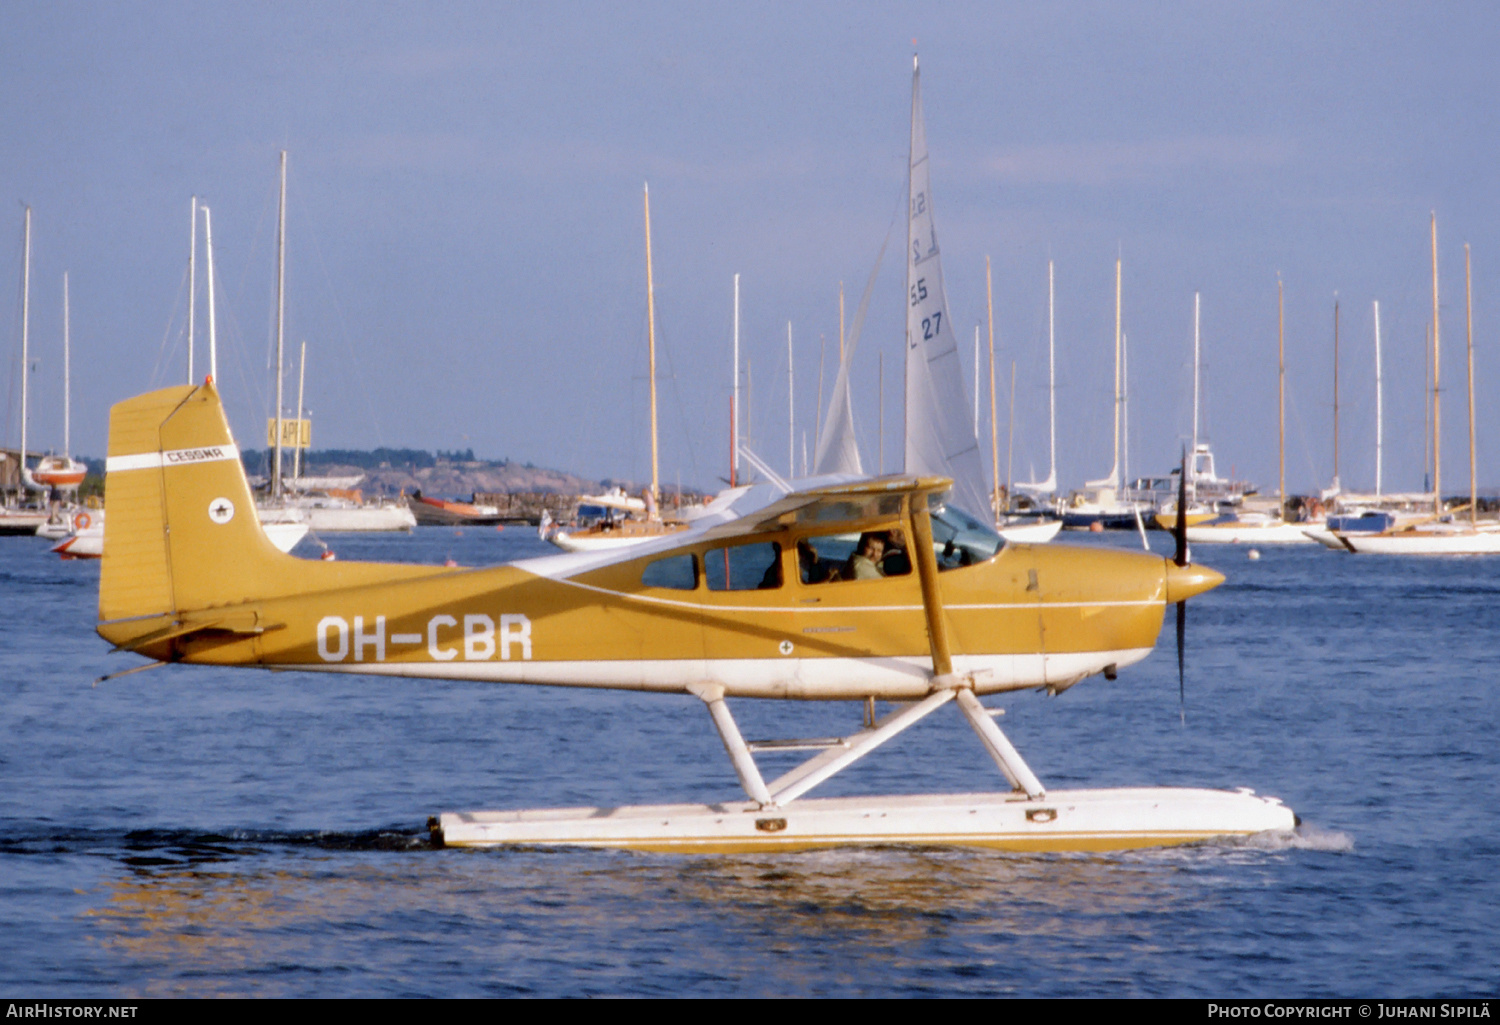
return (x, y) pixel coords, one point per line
(1306, 837)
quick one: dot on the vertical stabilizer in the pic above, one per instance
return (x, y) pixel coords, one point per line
(182, 531)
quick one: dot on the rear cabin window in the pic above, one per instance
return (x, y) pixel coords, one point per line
(677, 572)
(749, 567)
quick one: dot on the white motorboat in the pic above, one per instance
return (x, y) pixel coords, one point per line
(87, 539)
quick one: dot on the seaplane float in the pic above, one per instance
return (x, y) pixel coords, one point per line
(831, 590)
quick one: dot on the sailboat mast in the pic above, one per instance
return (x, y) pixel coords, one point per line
(1281, 398)
(1335, 393)
(1469, 316)
(297, 452)
(880, 407)
(280, 323)
(213, 341)
(1197, 355)
(1379, 408)
(192, 288)
(976, 382)
(1051, 382)
(1124, 409)
(67, 376)
(1010, 443)
(989, 303)
(734, 395)
(1115, 473)
(791, 418)
(25, 339)
(651, 343)
(1437, 415)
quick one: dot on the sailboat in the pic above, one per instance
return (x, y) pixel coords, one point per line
(1099, 505)
(15, 516)
(940, 438)
(609, 532)
(1206, 490)
(1264, 526)
(323, 511)
(1024, 528)
(61, 472)
(1441, 534)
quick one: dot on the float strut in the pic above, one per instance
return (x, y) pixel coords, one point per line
(999, 747)
(734, 743)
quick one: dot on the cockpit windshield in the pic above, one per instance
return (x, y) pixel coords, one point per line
(959, 538)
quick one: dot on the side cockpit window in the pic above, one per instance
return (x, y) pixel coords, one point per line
(870, 555)
(677, 572)
(749, 567)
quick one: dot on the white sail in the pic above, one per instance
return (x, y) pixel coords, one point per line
(838, 449)
(940, 438)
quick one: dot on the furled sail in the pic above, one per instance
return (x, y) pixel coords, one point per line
(940, 438)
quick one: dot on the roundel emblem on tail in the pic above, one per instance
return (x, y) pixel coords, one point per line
(221, 510)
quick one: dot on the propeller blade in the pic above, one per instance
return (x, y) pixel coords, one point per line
(1179, 534)
(1181, 662)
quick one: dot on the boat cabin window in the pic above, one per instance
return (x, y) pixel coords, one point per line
(675, 571)
(747, 567)
(960, 539)
(857, 556)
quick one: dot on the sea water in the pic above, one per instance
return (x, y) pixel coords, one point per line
(192, 831)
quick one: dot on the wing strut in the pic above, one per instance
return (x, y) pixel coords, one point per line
(943, 678)
(932, 601)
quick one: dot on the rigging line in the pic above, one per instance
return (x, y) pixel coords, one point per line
(15, 335)
(676, 393)
(163, 355)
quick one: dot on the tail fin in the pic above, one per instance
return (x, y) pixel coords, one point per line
(182, 531)
(184, 552)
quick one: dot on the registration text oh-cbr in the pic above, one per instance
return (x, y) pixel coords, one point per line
(474, 637)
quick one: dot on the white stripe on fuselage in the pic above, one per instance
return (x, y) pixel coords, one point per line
(699, 606)
(905, 678)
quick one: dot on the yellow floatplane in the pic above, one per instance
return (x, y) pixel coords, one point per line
(770, 594)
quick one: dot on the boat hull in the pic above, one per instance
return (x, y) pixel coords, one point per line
(1250, 533)
(88, 542)
(1031, 533)
(1106, 520)
(1063, 820)
(21, 521)
(334, 519)
(437, 513)
(1421, 542)
(621, 536)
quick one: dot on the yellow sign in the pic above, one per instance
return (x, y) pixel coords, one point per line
(294, 433)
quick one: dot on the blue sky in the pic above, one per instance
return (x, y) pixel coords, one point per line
(465, 251)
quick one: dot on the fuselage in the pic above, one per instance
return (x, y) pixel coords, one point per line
(1031, 616)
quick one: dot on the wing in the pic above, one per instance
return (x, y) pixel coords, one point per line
(854, 506)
